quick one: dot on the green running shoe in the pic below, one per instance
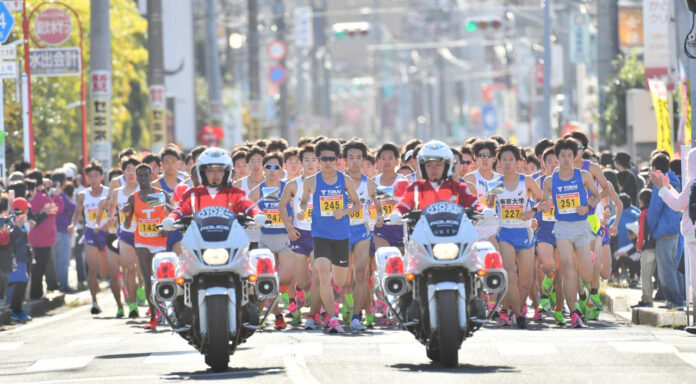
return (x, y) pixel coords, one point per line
(596, 302)
(582, 306)
(553, 299)
(142, 300)
(297, 319)
(592, 313)
(547, 285)
(370, 321)
(120, 312)
(545, 304)
(558, 315)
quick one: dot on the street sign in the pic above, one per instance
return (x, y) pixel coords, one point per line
(46, 62)
(489, 118)
(277, 74)
(53, 26)
(304, 27)
(6, 23)
(8, 69)
(277, 50)
(8, 53)
(14, 5)
(579, 35)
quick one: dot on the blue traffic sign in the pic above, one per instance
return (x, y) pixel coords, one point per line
(489, 118)
(6, 22)
(277, 74)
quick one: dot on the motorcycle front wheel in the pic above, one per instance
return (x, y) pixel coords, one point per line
(217, 354)
(448, 328)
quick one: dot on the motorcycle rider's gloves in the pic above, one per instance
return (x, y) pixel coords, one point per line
(260, 219)
(395, 218)
(168, 224)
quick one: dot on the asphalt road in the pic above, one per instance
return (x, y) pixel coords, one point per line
(71, 346)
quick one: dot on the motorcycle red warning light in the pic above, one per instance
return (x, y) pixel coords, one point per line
(264, 266)
(395, 264)
(493, 261)
(166, 270)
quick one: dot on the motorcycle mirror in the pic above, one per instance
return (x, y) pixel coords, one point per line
(156, 199)
(270, 193)
(495, 187)
(385, 193)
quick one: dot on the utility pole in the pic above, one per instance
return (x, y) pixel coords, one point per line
(100, 82)
(546, 118)
(378, 125)
(607, 45)
(213, 63)
(279, 16)
(155, 76)
(254, 85)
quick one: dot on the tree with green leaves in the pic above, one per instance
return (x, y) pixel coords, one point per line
(630, 74)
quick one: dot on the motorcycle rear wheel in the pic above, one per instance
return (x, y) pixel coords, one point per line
(448, 328)
(217, 354)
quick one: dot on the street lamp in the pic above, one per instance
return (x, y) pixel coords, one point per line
(236, 40)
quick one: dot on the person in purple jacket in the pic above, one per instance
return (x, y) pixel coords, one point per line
(42, 237)
(62, 251)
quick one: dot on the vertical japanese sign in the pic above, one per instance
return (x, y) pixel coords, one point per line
(656, 38)
(658, 91)
(100, 113)
(158, 118)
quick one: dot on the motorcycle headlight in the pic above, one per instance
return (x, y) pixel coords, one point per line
(216, 256)
(446, 251)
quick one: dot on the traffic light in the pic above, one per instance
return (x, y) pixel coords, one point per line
(358, 28)
(483, 24)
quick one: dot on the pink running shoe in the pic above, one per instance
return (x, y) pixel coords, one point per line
(300, 297)
(504, 320)
(575, 320)
(537, 315)
(317, 319)
(335, 326)
(292, 308)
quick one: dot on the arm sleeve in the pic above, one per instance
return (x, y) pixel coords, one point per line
(184, 206)
(654, 211)
(675, 200)
(407, 201)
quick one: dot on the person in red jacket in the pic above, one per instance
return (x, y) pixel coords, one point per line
(435, 161)
(214, 168)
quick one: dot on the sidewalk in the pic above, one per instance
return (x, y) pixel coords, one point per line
(618, 301)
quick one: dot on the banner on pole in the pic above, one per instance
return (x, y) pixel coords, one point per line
(99, 110)
(658, 91)
(158, 118)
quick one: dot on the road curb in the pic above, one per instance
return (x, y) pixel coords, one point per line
(618, 303)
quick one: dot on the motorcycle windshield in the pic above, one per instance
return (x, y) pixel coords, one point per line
(214, 223)
(443, 218)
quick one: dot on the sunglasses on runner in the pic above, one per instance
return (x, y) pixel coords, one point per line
(328, 158)
(484, 155)
(467, 162)
(581, 148)
(272, 167)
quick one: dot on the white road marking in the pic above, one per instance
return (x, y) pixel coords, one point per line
(103, 340)
(526, 349)
(60, 364)
(10, 345)
(296, 369)
(688, 357)
(174, 358)
(306, 349)
(410, 349)
(643, 347)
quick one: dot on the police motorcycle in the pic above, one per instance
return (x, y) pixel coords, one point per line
(436, 289)
(212, 293)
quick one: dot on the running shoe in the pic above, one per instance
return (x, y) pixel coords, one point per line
(297, 319)
(552, 296)
(547, 285)
(285, 299)
(503, 320)
(575, 320)
(152, 324)
(537, 315)
(356, 326)
(309, 324)
(558, 316)
(133, 314)
(593, 314)
(120, 312)
(347, 310)
(20, 317)
(582, 307)
(596, 302)
(545, 304)
(370, 321)
(280, 323)
(291, 309)
(521, 322)
(142, 300)
(335, 326)
(95, 308)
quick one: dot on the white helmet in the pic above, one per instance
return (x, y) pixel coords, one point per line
(214, 157)
(435, 150)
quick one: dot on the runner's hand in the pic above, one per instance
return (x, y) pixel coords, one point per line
(582, 210)
(300, 215)
(338, 215)
(293, 234)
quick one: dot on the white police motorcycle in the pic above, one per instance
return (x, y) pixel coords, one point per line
(211, 293)
(436, 289)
